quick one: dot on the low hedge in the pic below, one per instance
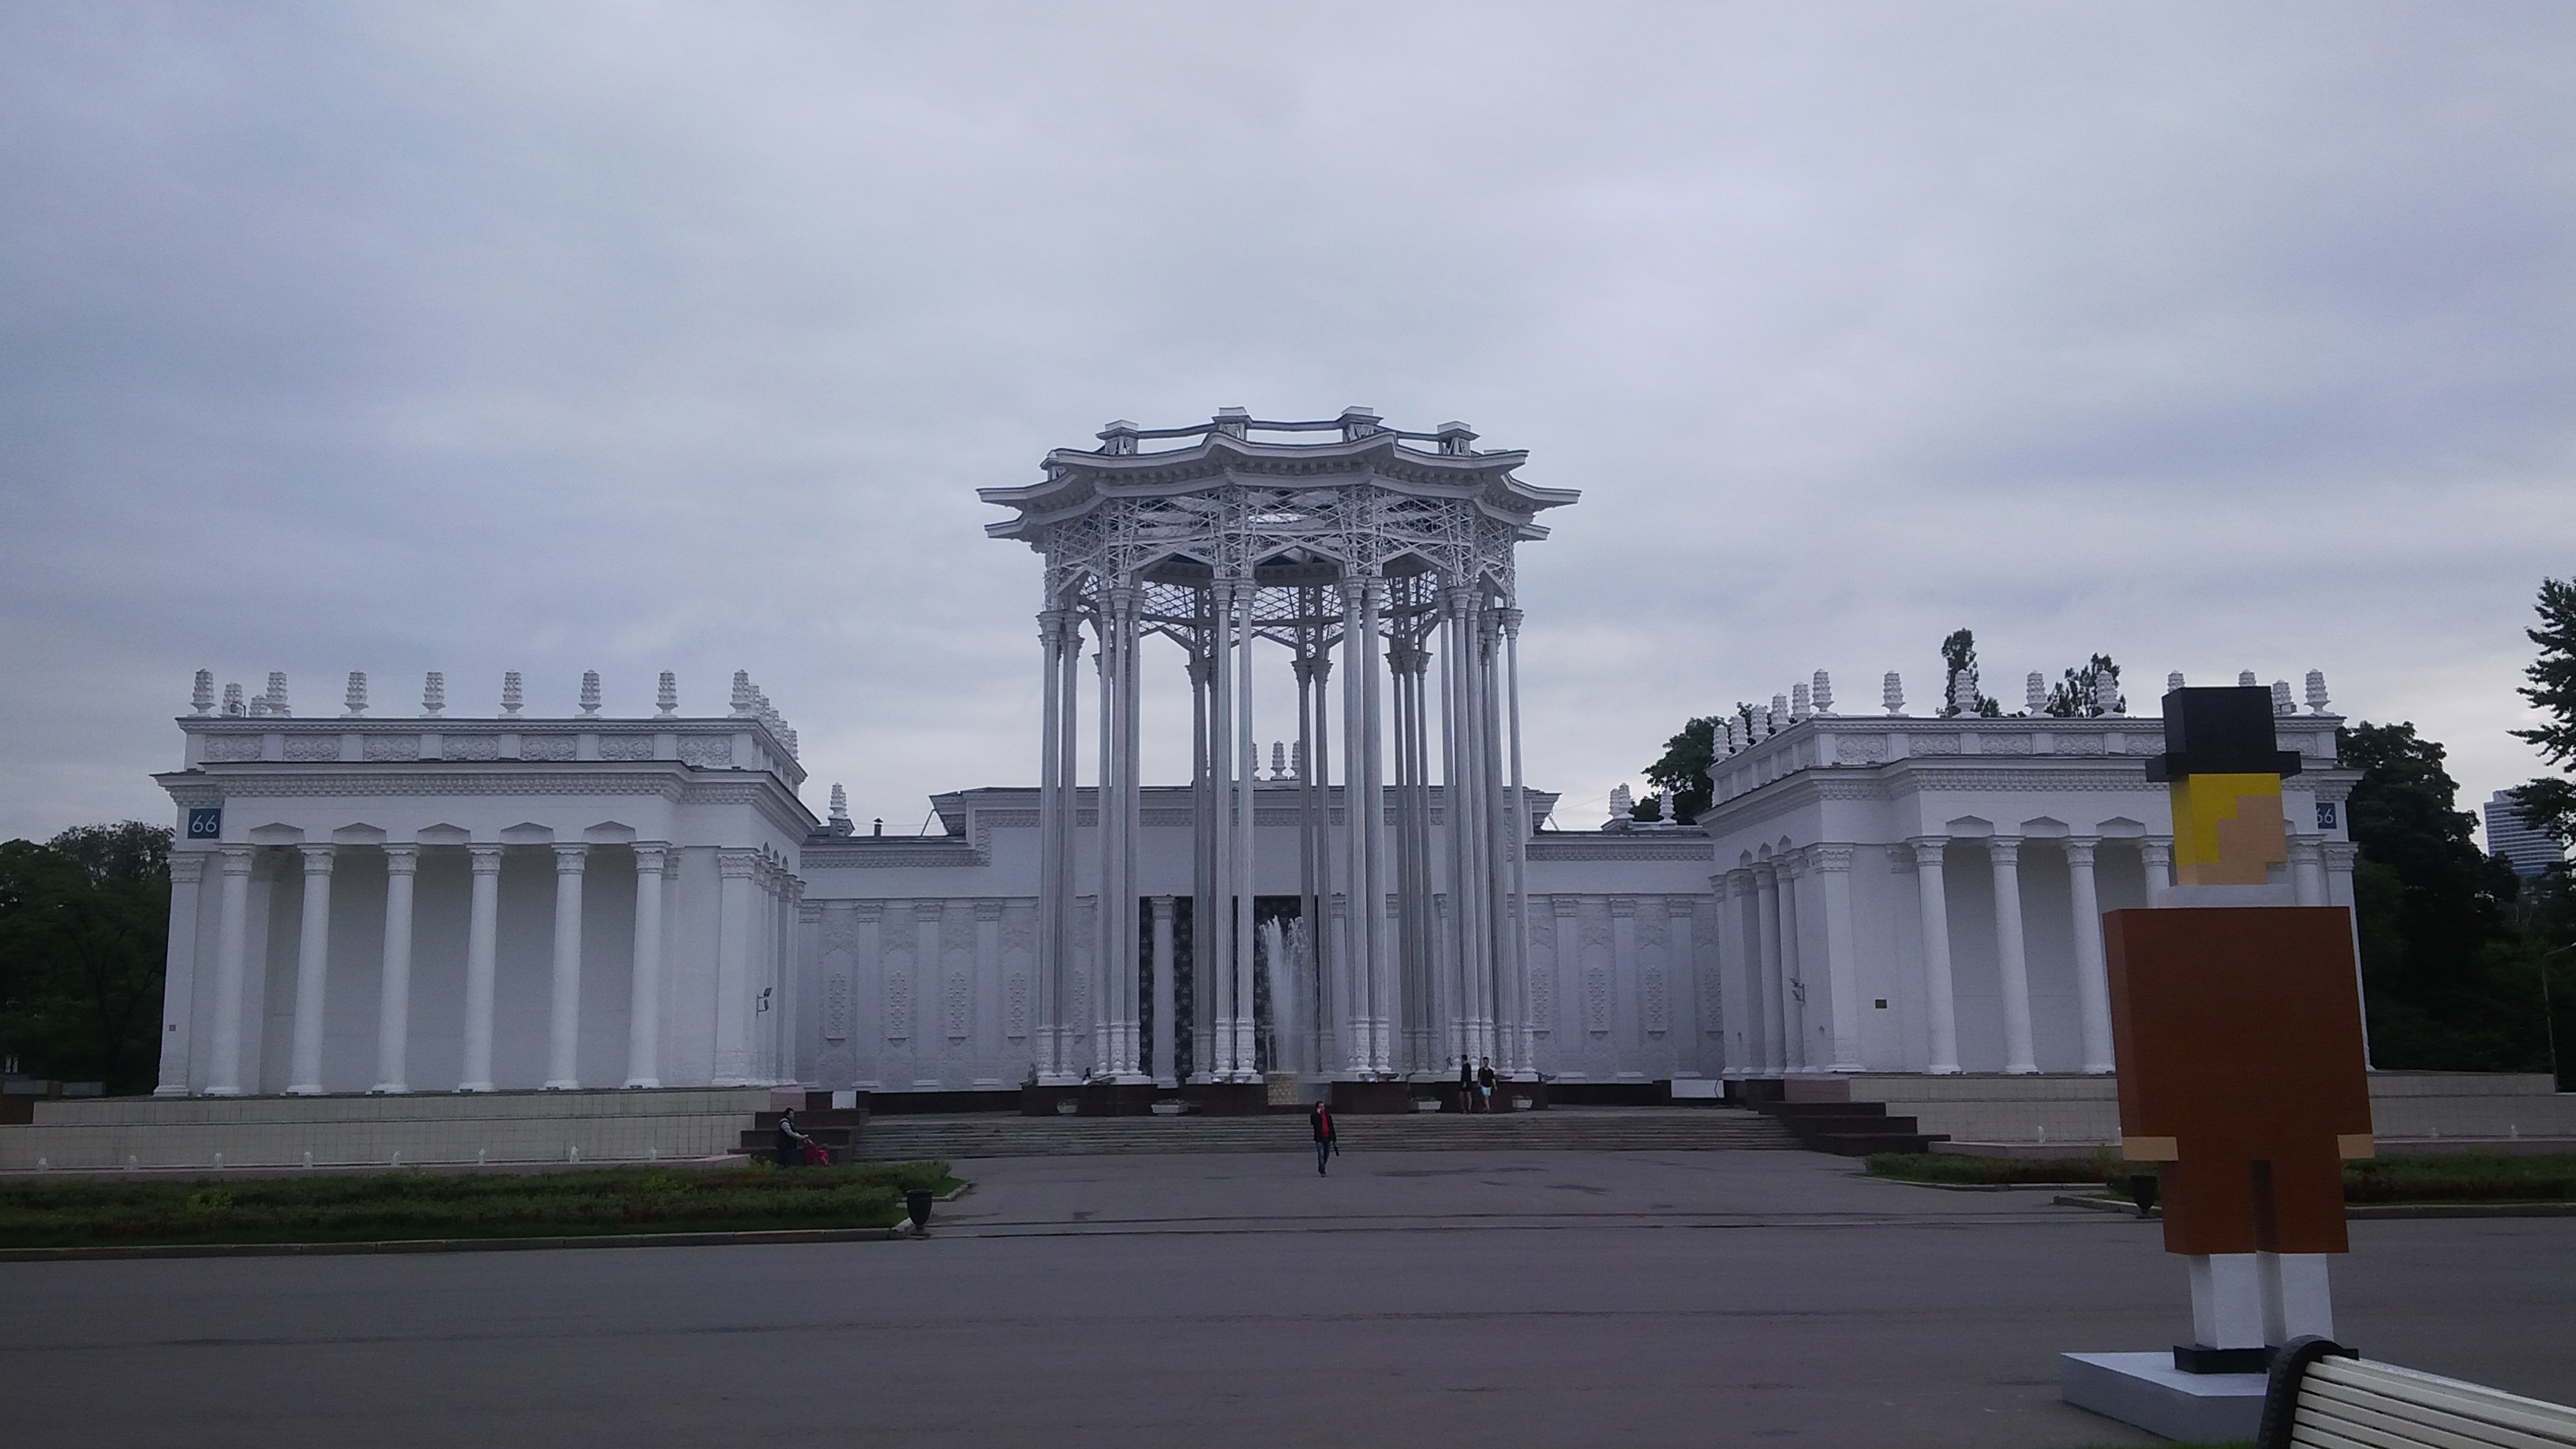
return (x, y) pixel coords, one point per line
(413, 1204)
(2447, 1177)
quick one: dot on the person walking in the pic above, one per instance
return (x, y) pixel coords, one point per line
(1326, 1142)
(791, 1143)
(1485, 1085)
(1466, 1084)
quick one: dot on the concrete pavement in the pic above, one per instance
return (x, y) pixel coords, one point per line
(1482, 1300)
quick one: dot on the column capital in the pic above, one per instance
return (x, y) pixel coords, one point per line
(1565, 906)
(2339, 854)
(1833, 858)
(737, 864)
(988, 910)
(1928, 848)
(2079, 849)
(317, 858)
(187, 866)
(1510, 619)
(1164, 907)
(649, 855)
(237, 859)
(2156, 848)
(929, 910)
(402, 858)
(1623, 905)
(571, 859)
(2006, 849)
(486, 858)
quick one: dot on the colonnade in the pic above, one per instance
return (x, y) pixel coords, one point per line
(1415, 955)
(1786, 905)
(758, 896)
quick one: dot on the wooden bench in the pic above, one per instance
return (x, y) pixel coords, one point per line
(2322, 1397)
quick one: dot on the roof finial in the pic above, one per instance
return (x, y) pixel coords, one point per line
(590, 694)
(355, 701)
(511, 695)
(2034, 693)
(433, 695)
(2317, 700)
(233, 701)
(666, 697)
(840, 811)
(201, 695)
(1891, 693)
(1824, 693)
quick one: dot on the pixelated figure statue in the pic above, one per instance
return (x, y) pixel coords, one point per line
(2236, 1026)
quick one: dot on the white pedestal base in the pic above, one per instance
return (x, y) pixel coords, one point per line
(2146, 1389)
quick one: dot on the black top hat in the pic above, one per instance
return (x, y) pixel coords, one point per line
(2226, 731)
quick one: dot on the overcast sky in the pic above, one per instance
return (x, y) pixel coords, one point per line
(633, 337)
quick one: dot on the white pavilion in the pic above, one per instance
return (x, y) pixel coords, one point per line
(408, 900)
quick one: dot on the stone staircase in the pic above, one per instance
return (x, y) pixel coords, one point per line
(1608, 1129)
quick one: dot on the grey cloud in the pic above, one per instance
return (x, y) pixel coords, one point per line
(478, 337)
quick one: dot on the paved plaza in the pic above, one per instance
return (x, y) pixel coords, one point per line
(1474, 1300)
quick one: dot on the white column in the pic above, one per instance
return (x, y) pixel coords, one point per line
(2307, 870)
(2092, 974)
(1214, 937)
(1382, 956)
(735, 870)
(232, 949)
(1165, 997)
(393, 1003)
(2012, 958)
(482, 956)
(1793, 965)
(1056, 1064)
(1775, 987)
(1358, 991)
(2156, 851)
(1942, 1002)
(1831, 866)
(2339, 856)
(1740, 958)
(312, 972)
(563, 1037)
(644, 998)
(1523, 1059)
(1248, 754)
(179, 973)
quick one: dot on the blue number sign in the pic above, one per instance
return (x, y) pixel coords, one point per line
(206, 824)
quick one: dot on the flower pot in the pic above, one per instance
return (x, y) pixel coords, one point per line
(916, 1205)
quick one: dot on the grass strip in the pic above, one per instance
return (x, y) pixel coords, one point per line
(398, 1206)
(2451, 1177)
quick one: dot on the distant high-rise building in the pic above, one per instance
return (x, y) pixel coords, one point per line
(2531, 851)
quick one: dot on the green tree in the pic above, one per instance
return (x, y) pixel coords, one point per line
(1683, 771)
(2073, 698)
(2451, 984)
(2549, 803)
(84, 923)
(1959, 656)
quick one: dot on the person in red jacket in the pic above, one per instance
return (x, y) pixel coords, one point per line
(1326, 1144)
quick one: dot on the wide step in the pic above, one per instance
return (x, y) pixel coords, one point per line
(909, 1138)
